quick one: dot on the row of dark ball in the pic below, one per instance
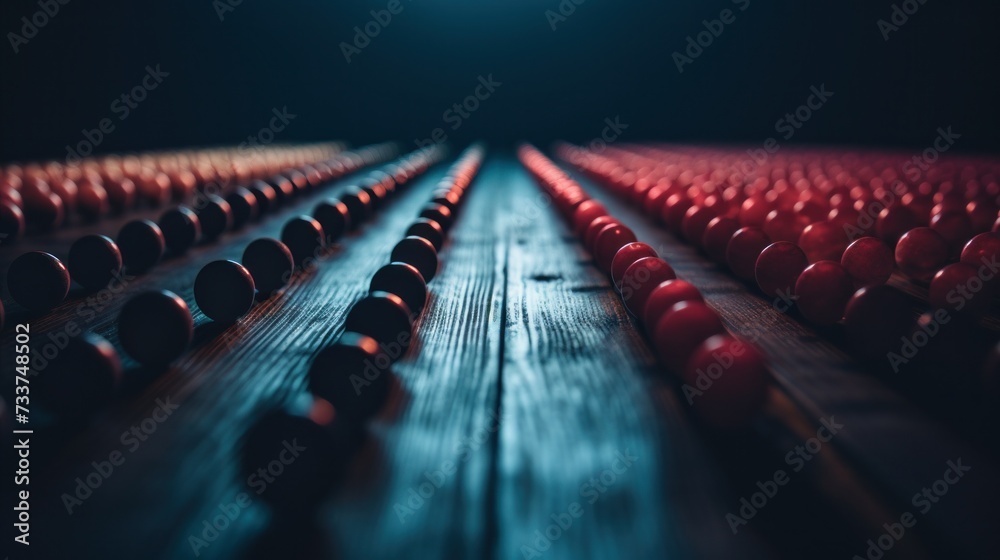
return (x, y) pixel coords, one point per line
(349, 380)
(155, 327)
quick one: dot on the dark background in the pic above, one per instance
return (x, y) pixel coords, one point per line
(609, 58)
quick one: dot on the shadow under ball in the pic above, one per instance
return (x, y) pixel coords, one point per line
(82, 377)
(270, 263)
(304, 237)
(181, 229)
(155, 327)
(142, 245)
(354, 375)
(418, 252)
(429, 230)
(333, 216)
(216, 218)
(386, 318)
(224, 291)
(244, 206)
(405, 281)
(38, 281)
(359, 206)
(94, 260)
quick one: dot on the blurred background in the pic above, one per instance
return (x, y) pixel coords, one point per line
(563, 67)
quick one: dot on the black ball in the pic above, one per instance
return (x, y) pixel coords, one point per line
(359, 206)
(155, 327)
(446, 198)
(354, 375)
(299, 180)
(270, 263)
(181, 229)
(267, 198)
(81, 377)
(244, 206)
(38, 281)
(420, 253)
(332, 214)
(94, 260)
(317, 456)
(224, 291)
(429, 230)
(216, 217)
(384, 179)
(283, 188)
(142, 245)
(304, 237)
(12, 223)
(386, 318)
(375, 191)
(440, 214)
(405, 281)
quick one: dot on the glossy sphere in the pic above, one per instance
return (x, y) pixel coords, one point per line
(718, 232)
(142, 245)
(267, 198)
(12, 223)
(869, 261)
(333, 216)
(155, 327)
(959, 288)
(94, 260)
(822, 291)
(81, 378)
(785, 225)
(44, 211)
(624, 258)
(384, 317)
(304, 237)
(429, 230)
(405, 281)
(586, 212)
(216, 217)
(440, 214)
(733, 379)
(38, 281)
(695, 222)
(893, 222)
(665, 296)
(595, 227)
(121, 194)
(359, 206)
(92, 202)
(743, 249)
(955, 227)
(376, 193)
(224, 291)
(823, 241)
(982, 249)
(181, 229)
(418, 252)
(680, 331)
(778, 267)
(640, 279)
(284, 189)
(875, 319)
(921, 252)
(672, 213)
(608, 241)
(243, 204)
(334, 369)
(270, 263)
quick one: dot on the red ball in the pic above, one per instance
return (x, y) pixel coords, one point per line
(625, 257)
(586, 212)
(742, 251)
(754, 211)
(717, 235)
(921, 252)
(983, 249)
(955, 227)
(608, 241)
(869, 261)
(823, 241)
(666, 295)
(681, 329)
(893, 222)
(778, 268)
(673, 211)
(822, 291)
(958, 287)
(594, 228)
(695, 222)
(640, 279)
(732, 379)
(785, 225)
